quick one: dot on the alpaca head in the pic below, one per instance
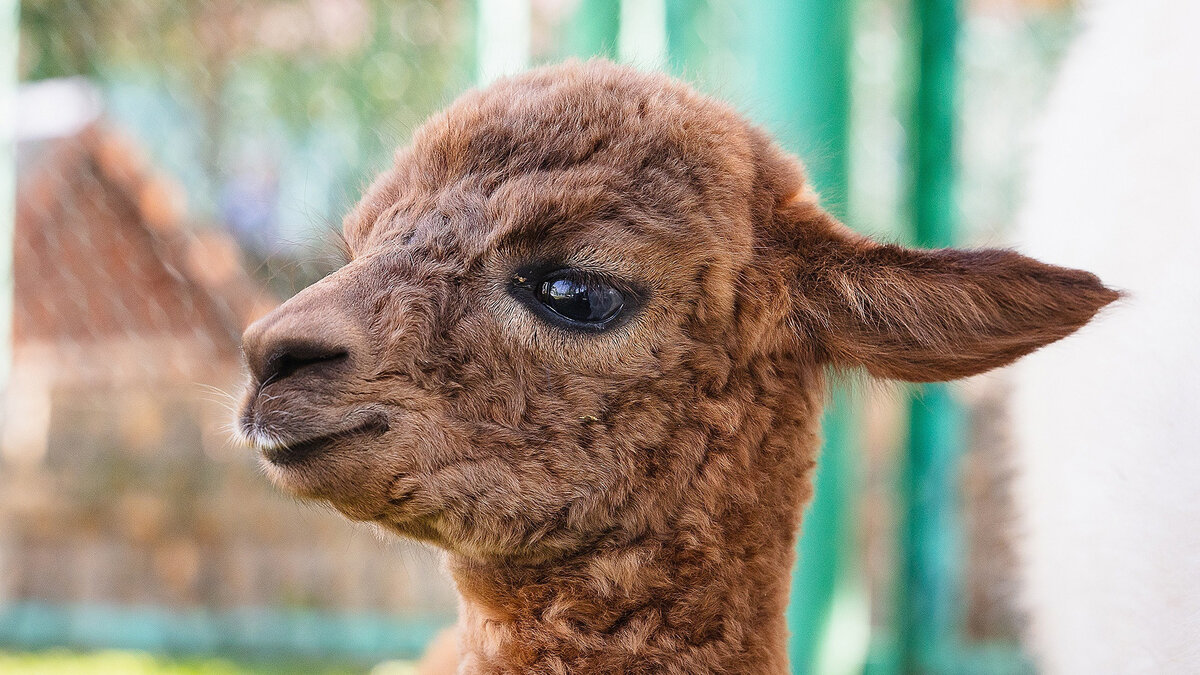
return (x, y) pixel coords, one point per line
(572, 283)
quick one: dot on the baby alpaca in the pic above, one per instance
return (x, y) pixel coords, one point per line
(581, 345)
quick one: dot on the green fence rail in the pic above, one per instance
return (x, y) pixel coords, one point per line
(260, 632)
(927, 613)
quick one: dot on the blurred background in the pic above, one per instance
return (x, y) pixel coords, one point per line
(171, 170)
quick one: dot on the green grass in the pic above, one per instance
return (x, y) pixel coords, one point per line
(63, 662)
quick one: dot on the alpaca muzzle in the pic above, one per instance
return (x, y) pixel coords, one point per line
(302, 357)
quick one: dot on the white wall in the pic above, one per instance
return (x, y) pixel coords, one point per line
(1108, 421)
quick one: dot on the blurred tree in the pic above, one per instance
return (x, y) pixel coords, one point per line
(325, 88)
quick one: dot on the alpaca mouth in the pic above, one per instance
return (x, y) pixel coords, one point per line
(294, 452)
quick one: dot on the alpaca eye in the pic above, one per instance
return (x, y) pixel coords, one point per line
(575, 297)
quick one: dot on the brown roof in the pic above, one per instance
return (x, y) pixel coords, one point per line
(101, 255)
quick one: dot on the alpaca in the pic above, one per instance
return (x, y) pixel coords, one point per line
(581, 345)
(1106, 461)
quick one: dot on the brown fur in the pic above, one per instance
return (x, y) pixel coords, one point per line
(625, 501)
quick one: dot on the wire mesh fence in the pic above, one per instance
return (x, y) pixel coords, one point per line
(183, 177)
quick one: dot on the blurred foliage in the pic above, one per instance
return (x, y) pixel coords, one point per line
(371, 50)
(308, 96)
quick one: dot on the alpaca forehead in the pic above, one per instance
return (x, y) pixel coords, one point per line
(622, 243)
(585, 209)
(556, 113)
(583, 215)
(584, 157)
(638, 127)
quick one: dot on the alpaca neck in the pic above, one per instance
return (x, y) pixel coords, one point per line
(703, 590)
(649, 603)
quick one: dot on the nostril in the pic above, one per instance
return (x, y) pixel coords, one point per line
(288, 360)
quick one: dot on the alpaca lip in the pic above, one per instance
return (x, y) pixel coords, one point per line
(293, 452)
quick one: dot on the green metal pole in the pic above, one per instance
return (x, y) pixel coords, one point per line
(796, 77)
(928, 612)
(931, 139)
(595, 29)
(796, 82)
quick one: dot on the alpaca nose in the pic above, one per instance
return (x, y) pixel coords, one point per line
(306, 336)
(278, 362)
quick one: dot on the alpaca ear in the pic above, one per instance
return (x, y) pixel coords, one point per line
(933, 315)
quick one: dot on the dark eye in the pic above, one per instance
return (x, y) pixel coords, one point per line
(578, 298)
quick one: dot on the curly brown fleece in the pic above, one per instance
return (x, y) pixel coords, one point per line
(625, 500)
